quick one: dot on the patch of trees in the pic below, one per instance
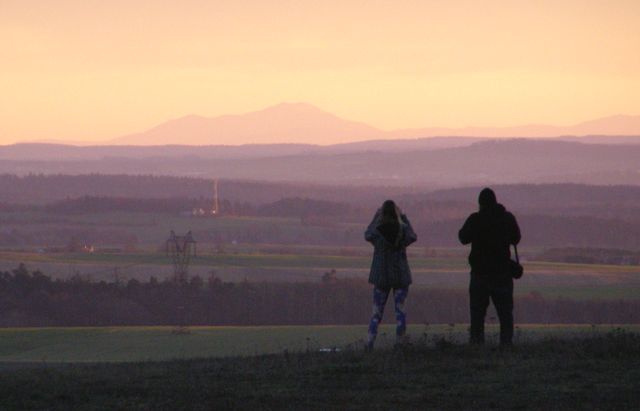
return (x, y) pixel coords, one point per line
(34, 299)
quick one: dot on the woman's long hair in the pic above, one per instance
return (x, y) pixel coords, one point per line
(390, 216)
(389, 212)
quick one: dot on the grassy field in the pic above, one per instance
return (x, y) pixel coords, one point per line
(117, 344)
(287, 263)
(295, 261)
(590, 371)
(153, 228)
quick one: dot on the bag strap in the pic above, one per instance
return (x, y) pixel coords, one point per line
(515, 248)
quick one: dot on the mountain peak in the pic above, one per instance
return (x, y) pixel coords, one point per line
(304, 123)
(298, 123)
(294, 109)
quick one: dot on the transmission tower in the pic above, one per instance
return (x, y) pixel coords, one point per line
(216, 207)
(181, 248)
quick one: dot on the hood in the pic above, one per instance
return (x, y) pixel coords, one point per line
(494, 210)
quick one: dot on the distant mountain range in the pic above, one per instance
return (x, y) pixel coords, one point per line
(301, 123)
(298, 123)
(619, 125)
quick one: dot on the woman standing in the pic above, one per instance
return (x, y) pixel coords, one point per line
(391, 233)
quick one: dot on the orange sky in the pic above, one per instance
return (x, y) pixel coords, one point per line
(90, 70)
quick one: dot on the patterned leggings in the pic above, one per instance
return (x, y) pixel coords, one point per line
(380, 297)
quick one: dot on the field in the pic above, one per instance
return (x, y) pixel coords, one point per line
(152, 229)
(117, 344)
(577, 368)
(302, 253)
(293, 367)
(276, 264)
(307, 367)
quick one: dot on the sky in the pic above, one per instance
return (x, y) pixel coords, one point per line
(92, 70)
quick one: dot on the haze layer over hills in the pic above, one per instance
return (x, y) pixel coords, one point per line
(484, 162)
(211, 148)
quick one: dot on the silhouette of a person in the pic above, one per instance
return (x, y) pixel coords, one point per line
(391, 233)
(491, 231)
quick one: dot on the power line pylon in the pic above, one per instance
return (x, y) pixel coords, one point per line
(181, 248)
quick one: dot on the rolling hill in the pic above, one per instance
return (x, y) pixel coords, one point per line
(485, 162)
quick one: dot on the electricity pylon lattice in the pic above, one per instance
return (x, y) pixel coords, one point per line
(181, 248)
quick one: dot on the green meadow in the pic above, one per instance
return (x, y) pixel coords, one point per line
(124, 344)
(555, 368)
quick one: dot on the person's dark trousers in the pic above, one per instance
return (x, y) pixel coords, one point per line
(500, 291)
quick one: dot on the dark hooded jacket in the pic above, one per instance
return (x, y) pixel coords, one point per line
(389, 267)
(490, 231)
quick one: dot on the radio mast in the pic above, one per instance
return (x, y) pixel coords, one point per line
(216, 206)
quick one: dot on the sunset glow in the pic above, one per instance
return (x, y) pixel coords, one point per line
(93, 70)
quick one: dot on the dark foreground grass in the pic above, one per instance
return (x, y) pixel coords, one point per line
(595, 372)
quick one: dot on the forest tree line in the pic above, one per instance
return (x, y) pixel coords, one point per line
(35, 299)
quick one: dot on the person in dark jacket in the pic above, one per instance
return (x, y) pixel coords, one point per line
(491, 231)
(391, 233)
